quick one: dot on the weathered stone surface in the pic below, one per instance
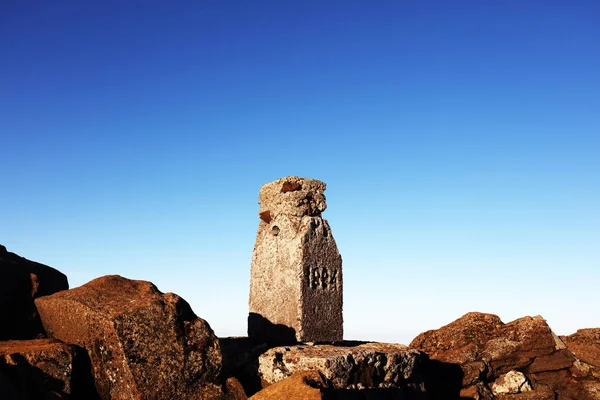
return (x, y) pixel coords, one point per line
(487, 348)
(22, 281)
(45, 369)
(512, 382)
(368, 365)
(304, 385)
(143, 344)
(296, 273)
(585, 345)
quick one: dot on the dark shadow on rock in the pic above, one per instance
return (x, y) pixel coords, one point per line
(28, 382)
(21, 282)
(261, 330)
(31, 382)
(443, 381)
(240, 360)
(83, 385)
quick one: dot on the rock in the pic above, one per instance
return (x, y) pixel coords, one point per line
(511, 383)
(585, 345)
(46, 369)
(304, 385)
(21, 282)
(486, 348)
(296, 273)
(368, 365)
(143, 344)
(234, 390)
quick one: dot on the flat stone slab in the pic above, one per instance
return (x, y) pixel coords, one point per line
(348, 365)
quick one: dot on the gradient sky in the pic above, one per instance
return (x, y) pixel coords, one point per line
(460, 142)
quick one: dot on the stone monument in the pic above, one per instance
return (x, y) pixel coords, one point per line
(296, 273)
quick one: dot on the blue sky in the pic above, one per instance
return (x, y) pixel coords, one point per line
(459, 141)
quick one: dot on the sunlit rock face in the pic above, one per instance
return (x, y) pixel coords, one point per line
(143, 344)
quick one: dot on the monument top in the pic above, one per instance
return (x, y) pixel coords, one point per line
(292, 196)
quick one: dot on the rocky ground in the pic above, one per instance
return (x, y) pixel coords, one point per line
(115, 338)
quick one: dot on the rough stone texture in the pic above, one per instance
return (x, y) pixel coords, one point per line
(512, 382)
(368, 365)
(585, 345)
(143, 344)
(296, 273)
(304, 385)
(45, 369)
(485, 349)
(22, 281)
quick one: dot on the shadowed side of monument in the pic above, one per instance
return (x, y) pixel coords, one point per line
(296, 273)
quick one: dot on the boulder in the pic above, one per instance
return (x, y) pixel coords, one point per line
(358, 366)
(46, 369)
(304, 385)
(143, 344)
(21, 282)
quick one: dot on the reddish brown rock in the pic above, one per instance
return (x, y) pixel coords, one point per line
(21, 282)
(487, 348)
(45, 369)
(585, 345)
(305, 385)
(143, 344)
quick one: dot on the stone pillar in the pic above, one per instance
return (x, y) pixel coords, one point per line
(296, 273)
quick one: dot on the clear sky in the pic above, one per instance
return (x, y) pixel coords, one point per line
(460, 142)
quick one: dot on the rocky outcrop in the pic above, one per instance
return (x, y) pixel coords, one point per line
(349, 366)
(143, 344)
(21, 282)
(487, 350)
(46, 369)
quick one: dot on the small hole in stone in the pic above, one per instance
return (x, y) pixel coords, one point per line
(275, 230)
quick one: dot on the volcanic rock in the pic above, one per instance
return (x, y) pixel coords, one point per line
(585, 345)
(21, 282)
(143, 344)
(367, 365)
